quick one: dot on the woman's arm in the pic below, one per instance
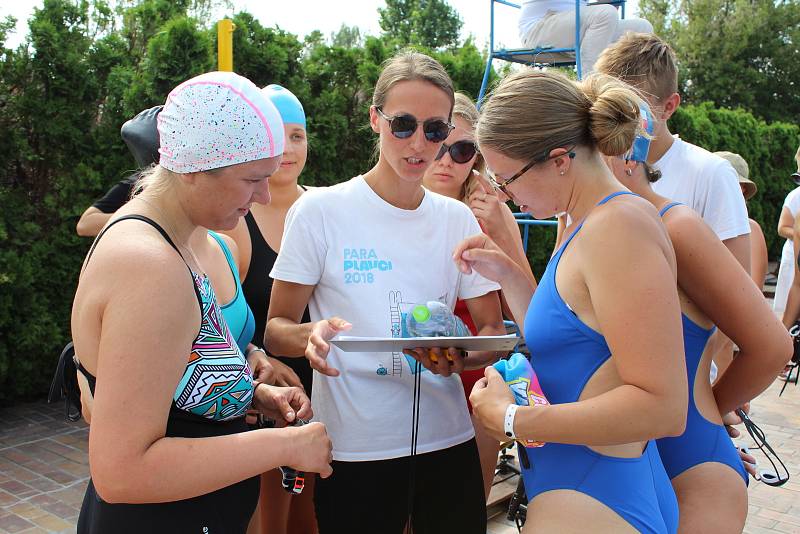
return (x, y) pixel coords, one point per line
(786, 224)
(485, 313)
(285, 335)
(792, 311)
(725, 293)
(635, 302)
(759, 259)
(91, 222)
(138, 369)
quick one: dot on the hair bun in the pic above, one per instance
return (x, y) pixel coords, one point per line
(613, 113)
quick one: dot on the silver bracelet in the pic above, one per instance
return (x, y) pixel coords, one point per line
(256, 349)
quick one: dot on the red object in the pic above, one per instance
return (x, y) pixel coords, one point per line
(468, 378)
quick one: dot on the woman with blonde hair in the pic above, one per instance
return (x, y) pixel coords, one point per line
(168, 449)
(605, 314)
(358, 253)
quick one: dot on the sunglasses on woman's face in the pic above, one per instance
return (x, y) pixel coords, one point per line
(460, 151)
(403, 126)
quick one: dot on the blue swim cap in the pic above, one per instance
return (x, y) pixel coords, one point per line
(288, 105)
(641, 145)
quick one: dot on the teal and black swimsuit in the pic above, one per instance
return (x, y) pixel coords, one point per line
(210, 399)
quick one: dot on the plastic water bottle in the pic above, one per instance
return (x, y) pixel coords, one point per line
(434, 319)
(521, 378)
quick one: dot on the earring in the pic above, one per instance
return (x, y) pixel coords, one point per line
(629, 172)
(561, 173)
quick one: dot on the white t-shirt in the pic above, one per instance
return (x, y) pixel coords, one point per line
(706, 183)
(792, 203)
(368, 260)
(532, 11)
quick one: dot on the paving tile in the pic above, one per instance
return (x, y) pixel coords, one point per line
(51, 522)
(43, 484)
(14, 487)
(26, 510)
(7, 499)
(14, 523)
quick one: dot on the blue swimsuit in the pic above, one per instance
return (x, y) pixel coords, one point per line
(703, 441)
(237, 313)
(566, 353)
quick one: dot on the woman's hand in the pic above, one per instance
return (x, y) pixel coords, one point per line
(263, 371)
(284, 375)
(481, 254)
(439, 361)
(282, 404)
(312, 449)
(487, 207)
(317, 348)
(490, 398)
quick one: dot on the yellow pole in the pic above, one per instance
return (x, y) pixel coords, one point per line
(225, 29)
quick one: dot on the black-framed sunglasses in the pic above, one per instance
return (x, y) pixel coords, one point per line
(403, 126)
(795, 176)
(460, 151)
(544, 156)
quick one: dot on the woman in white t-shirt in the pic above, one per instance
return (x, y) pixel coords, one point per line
(786, 223)
(364, 250)
(551, 23)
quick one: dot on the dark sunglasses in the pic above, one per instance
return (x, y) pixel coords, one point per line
(769, 477)
(795, 176)
(403, 126)
(460, 151)
(545, 156)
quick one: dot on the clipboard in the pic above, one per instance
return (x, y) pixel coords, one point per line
(397, 344)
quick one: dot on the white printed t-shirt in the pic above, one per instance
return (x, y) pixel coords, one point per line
(706, 183)
(368, 259)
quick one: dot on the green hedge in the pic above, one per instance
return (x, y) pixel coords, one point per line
(768, 148)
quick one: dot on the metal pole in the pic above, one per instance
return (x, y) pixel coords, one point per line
(225, 29)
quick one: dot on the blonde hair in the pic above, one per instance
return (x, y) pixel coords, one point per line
(158, 181)
(407, 66)
(464, 108)
(644, 61)
(532, 112)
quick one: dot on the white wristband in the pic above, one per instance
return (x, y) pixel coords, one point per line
(508, 423)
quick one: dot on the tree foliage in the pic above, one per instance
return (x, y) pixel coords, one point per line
(735, 53)
(432, 24)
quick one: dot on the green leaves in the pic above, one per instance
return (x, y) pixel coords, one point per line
(735, 53)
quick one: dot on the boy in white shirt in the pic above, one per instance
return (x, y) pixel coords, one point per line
(690, 174)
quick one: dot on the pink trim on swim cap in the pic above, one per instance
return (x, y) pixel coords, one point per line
(215, 120)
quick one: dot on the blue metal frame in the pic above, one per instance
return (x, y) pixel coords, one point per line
(525, 221)
(512, 55)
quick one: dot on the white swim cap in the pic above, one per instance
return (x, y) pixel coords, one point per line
(215, 120)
